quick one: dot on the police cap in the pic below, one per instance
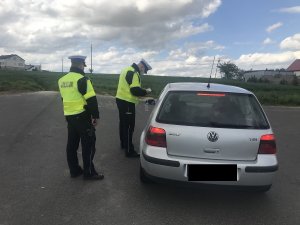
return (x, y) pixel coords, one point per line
(78, 59)
(146, 65)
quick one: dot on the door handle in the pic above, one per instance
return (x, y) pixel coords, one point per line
(211, 150)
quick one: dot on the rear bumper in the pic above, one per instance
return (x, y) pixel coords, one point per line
(157, 164)
(163, 162)
(261, 169)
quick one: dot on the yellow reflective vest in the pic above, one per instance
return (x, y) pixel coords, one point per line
(123, 91)
(73, 100)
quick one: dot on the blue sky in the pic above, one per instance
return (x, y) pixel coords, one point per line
(241, 25)
(177, 37)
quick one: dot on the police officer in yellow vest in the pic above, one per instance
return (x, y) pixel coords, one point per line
(128, 93)
(81, 111)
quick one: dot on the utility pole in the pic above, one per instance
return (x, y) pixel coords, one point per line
(91, 69)
(217, 67)
(62, 65)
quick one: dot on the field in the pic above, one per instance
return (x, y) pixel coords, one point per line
(19, 81)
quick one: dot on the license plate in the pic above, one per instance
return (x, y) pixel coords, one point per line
(212, 172)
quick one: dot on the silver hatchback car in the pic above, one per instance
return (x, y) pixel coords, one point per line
(217, 134)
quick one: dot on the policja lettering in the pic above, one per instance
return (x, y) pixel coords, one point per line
(67, 84)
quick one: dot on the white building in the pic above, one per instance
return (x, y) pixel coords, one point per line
(33, 67)
(12, 62)
(295, 67)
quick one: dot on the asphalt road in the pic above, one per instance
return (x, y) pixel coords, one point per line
(35, 187)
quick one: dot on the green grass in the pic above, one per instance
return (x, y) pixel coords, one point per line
(268, 94)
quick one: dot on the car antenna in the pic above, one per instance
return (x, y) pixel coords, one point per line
(208, 84)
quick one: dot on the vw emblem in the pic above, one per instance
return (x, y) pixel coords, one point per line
(212, 136)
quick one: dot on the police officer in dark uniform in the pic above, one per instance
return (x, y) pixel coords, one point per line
(81, 111)
(128, 93)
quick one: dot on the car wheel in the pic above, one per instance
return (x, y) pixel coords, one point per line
(144, 179)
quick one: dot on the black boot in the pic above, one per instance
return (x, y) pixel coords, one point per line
(77, 173)
(93, 176)
(131, 153)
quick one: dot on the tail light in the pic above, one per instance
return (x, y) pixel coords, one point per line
(267, 144)
(156, 137)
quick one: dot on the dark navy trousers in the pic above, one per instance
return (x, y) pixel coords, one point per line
(80, 129)
(126, 123)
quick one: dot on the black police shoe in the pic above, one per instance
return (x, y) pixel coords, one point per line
(94, 176)
(122, 146)
(132, 154)
(77, 174)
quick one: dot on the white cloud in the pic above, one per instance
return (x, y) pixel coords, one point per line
(274, 27)
(187, 30)
(267, 60)
(44, 32)
(291, 43)
(184, 66)
(186, 62)
(113, 59)
(56, 25)
(268, 41)
(191, 60)
(295, 9)
(177, 54)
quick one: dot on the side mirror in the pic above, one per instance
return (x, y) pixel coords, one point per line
(150, 102)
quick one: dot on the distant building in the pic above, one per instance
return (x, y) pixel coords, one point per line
(274, 76)
(15, 62)
(33, 67)
(12, 62)
(295, 67)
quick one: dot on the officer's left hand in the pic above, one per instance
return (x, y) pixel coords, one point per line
(94, 122)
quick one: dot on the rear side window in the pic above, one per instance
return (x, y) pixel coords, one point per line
(223, 110)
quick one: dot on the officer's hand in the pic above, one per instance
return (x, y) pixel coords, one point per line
(148, 90)
(94, 122)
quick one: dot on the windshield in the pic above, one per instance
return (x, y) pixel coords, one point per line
(224, 110)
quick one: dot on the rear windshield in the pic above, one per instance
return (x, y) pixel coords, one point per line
(223, 110)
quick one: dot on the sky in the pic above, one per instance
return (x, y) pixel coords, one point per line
(176, 37)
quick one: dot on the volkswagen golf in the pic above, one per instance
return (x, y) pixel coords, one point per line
(208, 134)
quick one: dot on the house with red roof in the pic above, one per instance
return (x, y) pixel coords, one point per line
(295, 67)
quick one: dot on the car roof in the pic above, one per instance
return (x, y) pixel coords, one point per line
(197, 86)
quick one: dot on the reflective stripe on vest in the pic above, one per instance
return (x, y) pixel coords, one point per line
(123, 91)
(73, 101)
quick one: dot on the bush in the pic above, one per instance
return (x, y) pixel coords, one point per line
(267, 93)
(295, 81)
(283, 82)
(252, 79)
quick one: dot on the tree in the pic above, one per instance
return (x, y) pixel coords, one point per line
(252, 79)
(230, 71)
(283, 82)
